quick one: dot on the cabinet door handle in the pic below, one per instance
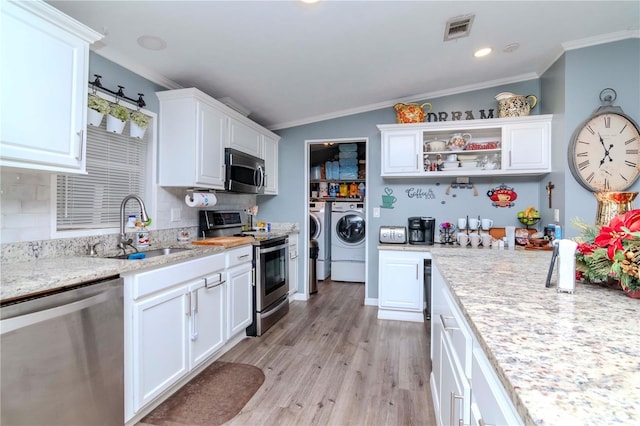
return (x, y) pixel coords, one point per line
(417, 272)
(244, 256)
(188, 313)
(509, 158)
(418, 161)
(194, 316)
(444, 325)
(81, 147)
(452, 408)
(213, 284)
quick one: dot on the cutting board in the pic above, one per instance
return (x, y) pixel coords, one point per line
(224, 241)
(498, 233)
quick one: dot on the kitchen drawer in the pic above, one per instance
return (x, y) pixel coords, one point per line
(149, 282)
(455, 325)
(238, 256)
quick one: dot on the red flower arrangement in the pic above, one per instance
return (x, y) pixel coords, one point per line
(611, 253)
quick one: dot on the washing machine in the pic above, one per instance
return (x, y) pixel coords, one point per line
(320, 230)
(348, 241)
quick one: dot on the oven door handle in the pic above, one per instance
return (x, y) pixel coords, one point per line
(272, 249)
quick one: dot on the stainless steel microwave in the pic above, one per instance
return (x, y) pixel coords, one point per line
(244, 173)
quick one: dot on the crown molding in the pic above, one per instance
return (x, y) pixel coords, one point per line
(414, 98)
(601, 39)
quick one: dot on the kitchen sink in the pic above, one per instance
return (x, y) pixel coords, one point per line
(153, 253)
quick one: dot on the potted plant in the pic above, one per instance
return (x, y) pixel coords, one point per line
(117, 118)
(97, 108)
(610, 255)
(138, 125)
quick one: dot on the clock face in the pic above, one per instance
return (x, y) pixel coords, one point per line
(604, 154)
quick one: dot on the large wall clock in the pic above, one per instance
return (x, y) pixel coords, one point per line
(604, 152)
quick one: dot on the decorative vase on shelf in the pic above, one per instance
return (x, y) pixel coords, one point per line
(117, 118)
(611, 204)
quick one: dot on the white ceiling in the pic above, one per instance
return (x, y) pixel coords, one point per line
(291, 63)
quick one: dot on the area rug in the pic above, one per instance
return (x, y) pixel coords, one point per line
(213, 397)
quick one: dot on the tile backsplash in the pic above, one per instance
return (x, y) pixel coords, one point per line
(26, 215)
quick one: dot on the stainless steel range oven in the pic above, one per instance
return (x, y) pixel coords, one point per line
(271, 281)
(270, 262)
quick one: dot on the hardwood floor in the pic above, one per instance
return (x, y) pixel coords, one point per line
(330, 361)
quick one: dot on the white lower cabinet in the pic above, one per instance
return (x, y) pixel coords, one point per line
(239, 298)
(464, 386)
(180, 316)
(160, 338)
(401, 289)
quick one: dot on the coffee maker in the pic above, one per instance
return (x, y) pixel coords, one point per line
(421, 230)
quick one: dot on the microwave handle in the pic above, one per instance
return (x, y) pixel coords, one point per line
(260, 178)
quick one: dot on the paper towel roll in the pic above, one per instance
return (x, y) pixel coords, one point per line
(200, 199)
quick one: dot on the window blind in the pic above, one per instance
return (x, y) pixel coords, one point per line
(116, 167)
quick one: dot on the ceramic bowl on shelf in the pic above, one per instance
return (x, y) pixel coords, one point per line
(434, 146)
(448, 165)
(467, 157)
(469, 164)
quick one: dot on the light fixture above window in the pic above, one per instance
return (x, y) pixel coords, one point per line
(482, 52)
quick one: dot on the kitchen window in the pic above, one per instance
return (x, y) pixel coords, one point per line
(117, 165)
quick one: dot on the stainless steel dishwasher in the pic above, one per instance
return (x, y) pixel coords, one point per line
(62, 357)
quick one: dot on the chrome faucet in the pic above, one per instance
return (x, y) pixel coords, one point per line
(124, 242)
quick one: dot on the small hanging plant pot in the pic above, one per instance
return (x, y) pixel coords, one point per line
(94, 118)
(117, 118)
(138, 125)
(96, 109)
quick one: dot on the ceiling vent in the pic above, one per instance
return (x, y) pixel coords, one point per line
(458, 27)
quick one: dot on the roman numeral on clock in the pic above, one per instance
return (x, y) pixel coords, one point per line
(630, 141)
(590, 130)
(624, 178)
(583, 165)
(632, 151)
(622, 130)
(607, 122)
(582, 154)
(630, 163)
(590, 177)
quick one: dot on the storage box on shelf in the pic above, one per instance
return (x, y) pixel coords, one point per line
(502, 146)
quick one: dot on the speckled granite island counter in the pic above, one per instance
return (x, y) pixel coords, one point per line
(25, 278)
(564, 359)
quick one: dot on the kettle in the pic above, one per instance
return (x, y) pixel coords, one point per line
(512, 105)
(411, 113)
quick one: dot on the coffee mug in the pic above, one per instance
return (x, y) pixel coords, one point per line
(475, 240)
(463, 239)
(487, 224)
(473, 223)
(486, 240)
(462, 223)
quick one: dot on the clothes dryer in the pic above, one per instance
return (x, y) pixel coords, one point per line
(348, 241)
(320, 230)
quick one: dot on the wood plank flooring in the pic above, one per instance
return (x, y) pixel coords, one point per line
(330, 361)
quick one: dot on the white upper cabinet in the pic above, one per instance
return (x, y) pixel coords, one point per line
(44, 70)
(194, 130)
(528, 145)
(500, 146)
(401, 152)
(270, 155)
(244, 138)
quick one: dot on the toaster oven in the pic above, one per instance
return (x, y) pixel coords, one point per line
(393, 234)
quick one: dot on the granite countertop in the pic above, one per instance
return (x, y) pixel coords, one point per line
(564, 359)
(25, 278)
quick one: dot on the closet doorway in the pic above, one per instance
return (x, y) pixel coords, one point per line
(335, 201)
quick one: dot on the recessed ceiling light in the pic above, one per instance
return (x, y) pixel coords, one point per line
(310, 1)
(482, 52)
(152, 42)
